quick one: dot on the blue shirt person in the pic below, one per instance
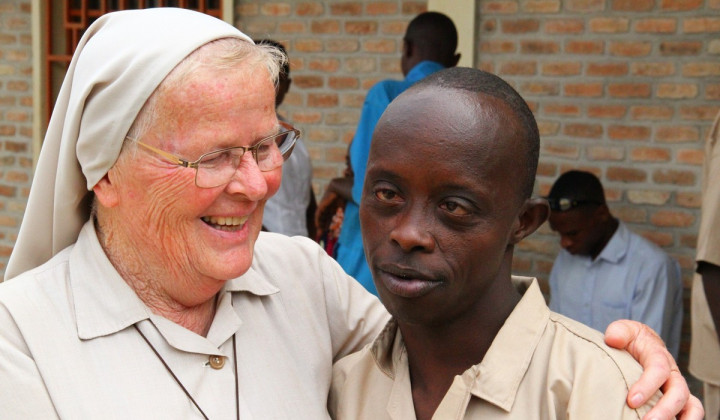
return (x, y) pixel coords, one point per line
(605, 272)
(429, 45)
(631, 278)
(350, 253)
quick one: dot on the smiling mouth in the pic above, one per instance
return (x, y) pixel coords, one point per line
(228, 224)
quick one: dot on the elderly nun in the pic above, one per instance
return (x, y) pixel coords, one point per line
(150, 297)
(142, 287)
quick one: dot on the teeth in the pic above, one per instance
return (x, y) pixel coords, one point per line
(225, 221)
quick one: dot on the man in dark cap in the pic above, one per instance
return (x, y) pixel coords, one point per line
(606, 272)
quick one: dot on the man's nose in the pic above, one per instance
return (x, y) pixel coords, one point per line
(411, 231)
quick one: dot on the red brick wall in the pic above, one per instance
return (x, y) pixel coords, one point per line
(15, 119)
(626, 89)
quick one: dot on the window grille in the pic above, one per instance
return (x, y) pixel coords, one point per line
(67, 20)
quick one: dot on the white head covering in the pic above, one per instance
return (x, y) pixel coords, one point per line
(119, 62)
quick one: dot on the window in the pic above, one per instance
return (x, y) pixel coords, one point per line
(66, 21)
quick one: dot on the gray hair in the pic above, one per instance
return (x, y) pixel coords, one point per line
(224, 53)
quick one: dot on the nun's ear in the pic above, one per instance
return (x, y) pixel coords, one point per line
(106, 190)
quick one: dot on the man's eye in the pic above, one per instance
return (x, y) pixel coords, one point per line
(385, 195)
(454, 208)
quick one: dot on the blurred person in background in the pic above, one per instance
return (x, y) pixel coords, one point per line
(429, 45)
(604, 271)
(291, 211)
(705, 301)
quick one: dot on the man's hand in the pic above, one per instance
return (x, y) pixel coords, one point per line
(659, 372)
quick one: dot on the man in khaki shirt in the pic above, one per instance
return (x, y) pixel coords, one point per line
(447, 195)
(540, 365)
(705, 310)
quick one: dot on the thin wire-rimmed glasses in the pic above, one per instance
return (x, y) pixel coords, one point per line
(217, 168)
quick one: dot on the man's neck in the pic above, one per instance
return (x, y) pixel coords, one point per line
(436, 354)
(611, 226)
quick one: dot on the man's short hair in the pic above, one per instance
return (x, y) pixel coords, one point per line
(481, 82)
(436, 34)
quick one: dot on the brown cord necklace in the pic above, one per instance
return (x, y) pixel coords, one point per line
(237, 390)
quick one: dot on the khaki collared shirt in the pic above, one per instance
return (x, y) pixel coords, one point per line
(541, 365)
(704, 346)
(69, 348)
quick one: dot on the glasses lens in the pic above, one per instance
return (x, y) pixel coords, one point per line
(216, 168)
(286, 142)
(267, 153)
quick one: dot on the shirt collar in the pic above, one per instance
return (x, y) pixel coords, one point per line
(499, 375)
(422, 69)
(103, 301)
(386, 351)
(617, 247)
(497, 378)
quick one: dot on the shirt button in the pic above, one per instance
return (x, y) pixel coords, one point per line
(217, 362)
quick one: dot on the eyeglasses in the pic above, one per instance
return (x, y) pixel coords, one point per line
(564, 203)
(218, 167)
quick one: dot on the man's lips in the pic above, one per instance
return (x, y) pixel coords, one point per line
(406, 282)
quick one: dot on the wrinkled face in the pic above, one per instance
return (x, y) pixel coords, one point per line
(440, 202)
(206, 236)
(580, 233)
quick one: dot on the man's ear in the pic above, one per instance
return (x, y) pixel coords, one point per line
(407, 49)
(602, 213)
(106, 191)
(534, 213)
